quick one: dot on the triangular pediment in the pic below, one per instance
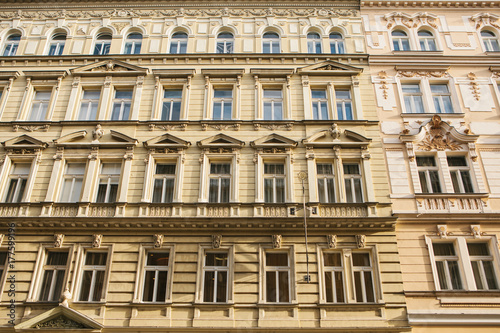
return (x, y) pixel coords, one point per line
(336, 136)
(71, 137)
(330, 68)
(438, 135)
(166, 141)
(24, 141)
(109, 67)
(60, 318)
(100, 138)
(123, 138)
(274, 140)
(220, 140)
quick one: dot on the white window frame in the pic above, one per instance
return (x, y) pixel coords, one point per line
(351, 178)
(171, 81)
(90, 101)
(58, 43)
(219, 177)
(172, 101)
(80, 268)
(222, 101)
(179, 41)
(38, 104)
(348, 269)
(464, 259)
(400, 40)
(141, 272)
(54, 268)
(426, 170)
(337, 43)
(273, 100)
(12, 44)
(427, 95)
(272, 42)
(458, 170)
(108, 181)
(17, 197)
(344, 102)
(72, 177)
(104, 42)
(226, 43)
(34, 84)
(153, 161)
(219, 81)
(264, 157)
(487, 42)
(274, 176)
(164, 178)
(291, 269)
(200, 277)
(122, 102)
(327, 100)
(276, 82)
(133, 42)
(312, 43)
(426, 39)
(324, 177)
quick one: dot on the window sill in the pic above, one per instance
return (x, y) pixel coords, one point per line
(418, 52)
(213, 305)
(451, 195)
(455, 293)
(150, 304)
(430, 115)
(349, 305)
(281, 305)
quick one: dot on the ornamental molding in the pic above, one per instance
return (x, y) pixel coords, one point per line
(361, 241)
(158, 240)
(109, 68)
(166, 141)
(411, 21)
(485, 19)
(96, 240)
(435, 72)
(178, 12)
(274, 141)
(58, 240)
(474, 86)
(277, 240)
(61, 318)
(216, 241)
(272, 126)
(220, 127)
(168, 127)
(59, 323)
(31, 128)
(331, 240)
(336, 137)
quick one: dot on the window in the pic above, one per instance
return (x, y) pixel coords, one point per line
(337, 43)
(178, 45)
(326, 183)
(363, 277)
(155, 277)
(400, 41)
(448, 271)
(93, 276)
(490, 41)
(333, 267)
(109, 178)
(412, 98)
(56, 45)
(442, 98)
(271, 43)
(319, 105)
(460, 175)
(133, 43)
(215, 277)
(482, 266)
(428, 173)
(273, 104)
(223, 104)
(277, 277)
(427, 41)
(171, 109)
(72, 182)
(274, 182)
(313, 43)
(344, 104)
(3, 264)
(54, 271)
(11, 45)
(102, 44)
(164, 180)
(225, 42)
(89, 104)
(17, 182)
(352, 183)
(40, 105)
(121, 105)
(220, 182)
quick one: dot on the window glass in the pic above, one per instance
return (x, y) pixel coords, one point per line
(334, 277)
(271, 43)
(172, 99)
(133, 43)
(313, 43)
(11, 45)
(178, 45)
(274, 183)
(442, 98)
(352, 183)
(225, 43)
(412, 98)
(490, 41)
(319, 104)
(89, 104)
(53, 276)
(273, 104)
(220, 182)
(447, 266)
(93, 273)
(164, 180)
(155, 277)
(326, 183)
(56, 45)
(427, 41)
(400, 41)
(215, 277)
(223, 104)
(277, 277)
(344, 104)
(40, 105)
(102, 44)
(428, 174)
(17, 182)
(72, 182)
(460, 174)
(108, 182)
(337, 43)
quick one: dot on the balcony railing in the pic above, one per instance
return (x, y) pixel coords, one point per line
(342, 210)
(452, 203)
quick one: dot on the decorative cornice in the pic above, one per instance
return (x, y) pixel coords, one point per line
(429, 4)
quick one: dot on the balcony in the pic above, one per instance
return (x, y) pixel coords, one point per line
(218, 210)
(343, 210)
(275, 210)
(160, 210)
(452, 203)
(83, 209)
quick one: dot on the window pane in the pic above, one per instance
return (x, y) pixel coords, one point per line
(435, 183)
(157, 259)
(280, 190)
(358, 286)
(361, 259)
(339, 287)
(276, 259)
(85, 289)
(284, 295)
(209, 288)
(161, 287)
(271, 286)
(489, 271)
(96, 259)
(46, 282)
(443, 283)
(149, 282)
(59, 285)
(216, 259)
(456, 281)
(369, 287)
(57, 258)
(443, 249)
(329, 286)
(221, 286)
(223, 93)
(225, 189)
(477, 275)
(332, 259)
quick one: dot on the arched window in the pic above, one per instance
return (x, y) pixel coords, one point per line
(56, 45)
(427, 41)
(271, 43)
(133, 43)
(179, 42)
(313, 43)
(336, 43)
(11, 45)
(400, 41)
(102, 44)
(225, 42)
(490, 41)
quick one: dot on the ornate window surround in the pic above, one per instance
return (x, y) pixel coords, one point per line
(222, 79)
(272, 79)
(6, 81)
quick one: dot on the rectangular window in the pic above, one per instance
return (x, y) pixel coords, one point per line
(482, 266)
(220, 182)
(319, 105)
(171, 109)
(89, 104)
(363, 277)
(223, 105)
(273, 104)
(164, 180)
(352, 183)
(274, 182)
(334, 277)
(40, 105)
(72, 182)
(54, 271)
(109, 178)
(326, 183)
(412, 98)
(277, 277)
(3, 263)
(447, 266)
(121, 105)
(93, 274)
(428, 173)
(215, 277)
(460, 175)
(442, 98)
(155, 277)
(18, 178)
(344, 104)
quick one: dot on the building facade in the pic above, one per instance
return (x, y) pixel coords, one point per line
(160, 160)
(434, 68)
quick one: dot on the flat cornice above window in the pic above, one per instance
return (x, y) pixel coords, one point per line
(6, 75)
(174, 73)
(222, 72)
(422, 68)
(41, 75)
(269, 72)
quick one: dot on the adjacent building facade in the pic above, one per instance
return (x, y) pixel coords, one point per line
(159, 161)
